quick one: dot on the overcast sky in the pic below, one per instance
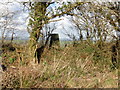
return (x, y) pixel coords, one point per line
(20, 18)
(21, 15)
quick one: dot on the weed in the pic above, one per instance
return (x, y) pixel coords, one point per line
(83, 66)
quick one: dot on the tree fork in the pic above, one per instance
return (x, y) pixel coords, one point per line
(37, 21)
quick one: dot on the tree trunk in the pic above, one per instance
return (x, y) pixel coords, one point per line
(33, 45)
(37, 21)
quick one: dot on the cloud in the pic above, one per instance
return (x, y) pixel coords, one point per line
(19, 16)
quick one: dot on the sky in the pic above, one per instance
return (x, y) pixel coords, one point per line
(63, 26)
(20, 18)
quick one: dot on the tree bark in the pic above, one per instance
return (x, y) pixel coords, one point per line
(37, 21)
(38, 17)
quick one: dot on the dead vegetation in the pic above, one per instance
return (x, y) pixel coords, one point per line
(69, 67)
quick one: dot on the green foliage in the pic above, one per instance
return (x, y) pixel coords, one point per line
(66, 67)
(85, 65)
(11, 60)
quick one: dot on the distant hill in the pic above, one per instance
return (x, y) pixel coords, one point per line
(16, 38)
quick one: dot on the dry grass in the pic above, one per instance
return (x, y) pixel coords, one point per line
(70, 67)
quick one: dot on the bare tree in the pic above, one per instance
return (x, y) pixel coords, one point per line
(92, 19)
(8, 22)
(101, 20)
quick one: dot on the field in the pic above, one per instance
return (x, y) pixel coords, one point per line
(83, 65)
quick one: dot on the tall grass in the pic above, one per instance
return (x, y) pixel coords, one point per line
(82, 66)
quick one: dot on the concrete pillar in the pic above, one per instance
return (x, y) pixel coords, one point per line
(54, 40)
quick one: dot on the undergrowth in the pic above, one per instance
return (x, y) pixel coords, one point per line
(82, 66)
